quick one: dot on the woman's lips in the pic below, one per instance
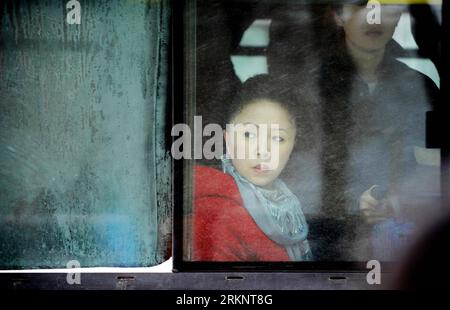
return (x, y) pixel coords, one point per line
(261, 168)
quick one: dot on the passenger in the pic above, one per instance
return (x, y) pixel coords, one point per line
(246, 212)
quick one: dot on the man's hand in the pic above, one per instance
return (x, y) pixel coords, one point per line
(372, 209)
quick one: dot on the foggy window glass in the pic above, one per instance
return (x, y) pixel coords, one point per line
(354, 180)
(84, 173)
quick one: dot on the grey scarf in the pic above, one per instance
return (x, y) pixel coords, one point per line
(277, 212)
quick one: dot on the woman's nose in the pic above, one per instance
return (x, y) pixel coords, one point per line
(264, 149)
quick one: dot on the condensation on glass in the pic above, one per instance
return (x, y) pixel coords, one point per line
(82, 134)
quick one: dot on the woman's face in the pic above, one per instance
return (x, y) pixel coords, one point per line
(260, 141)
(359, 33)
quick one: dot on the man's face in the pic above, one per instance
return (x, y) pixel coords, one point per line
(359, 33)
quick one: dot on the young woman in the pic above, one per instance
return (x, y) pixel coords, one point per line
(246, 212)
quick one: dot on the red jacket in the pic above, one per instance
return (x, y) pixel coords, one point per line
(223, 230)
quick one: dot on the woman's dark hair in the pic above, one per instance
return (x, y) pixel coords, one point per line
(291, 93)
(262, 87)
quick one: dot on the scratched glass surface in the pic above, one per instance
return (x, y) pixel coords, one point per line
(361, 168)
(82, 122)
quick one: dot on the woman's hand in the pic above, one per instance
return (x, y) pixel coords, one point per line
(372, 209)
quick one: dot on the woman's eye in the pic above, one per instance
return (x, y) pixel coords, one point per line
(278, 139)
(249, 134)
